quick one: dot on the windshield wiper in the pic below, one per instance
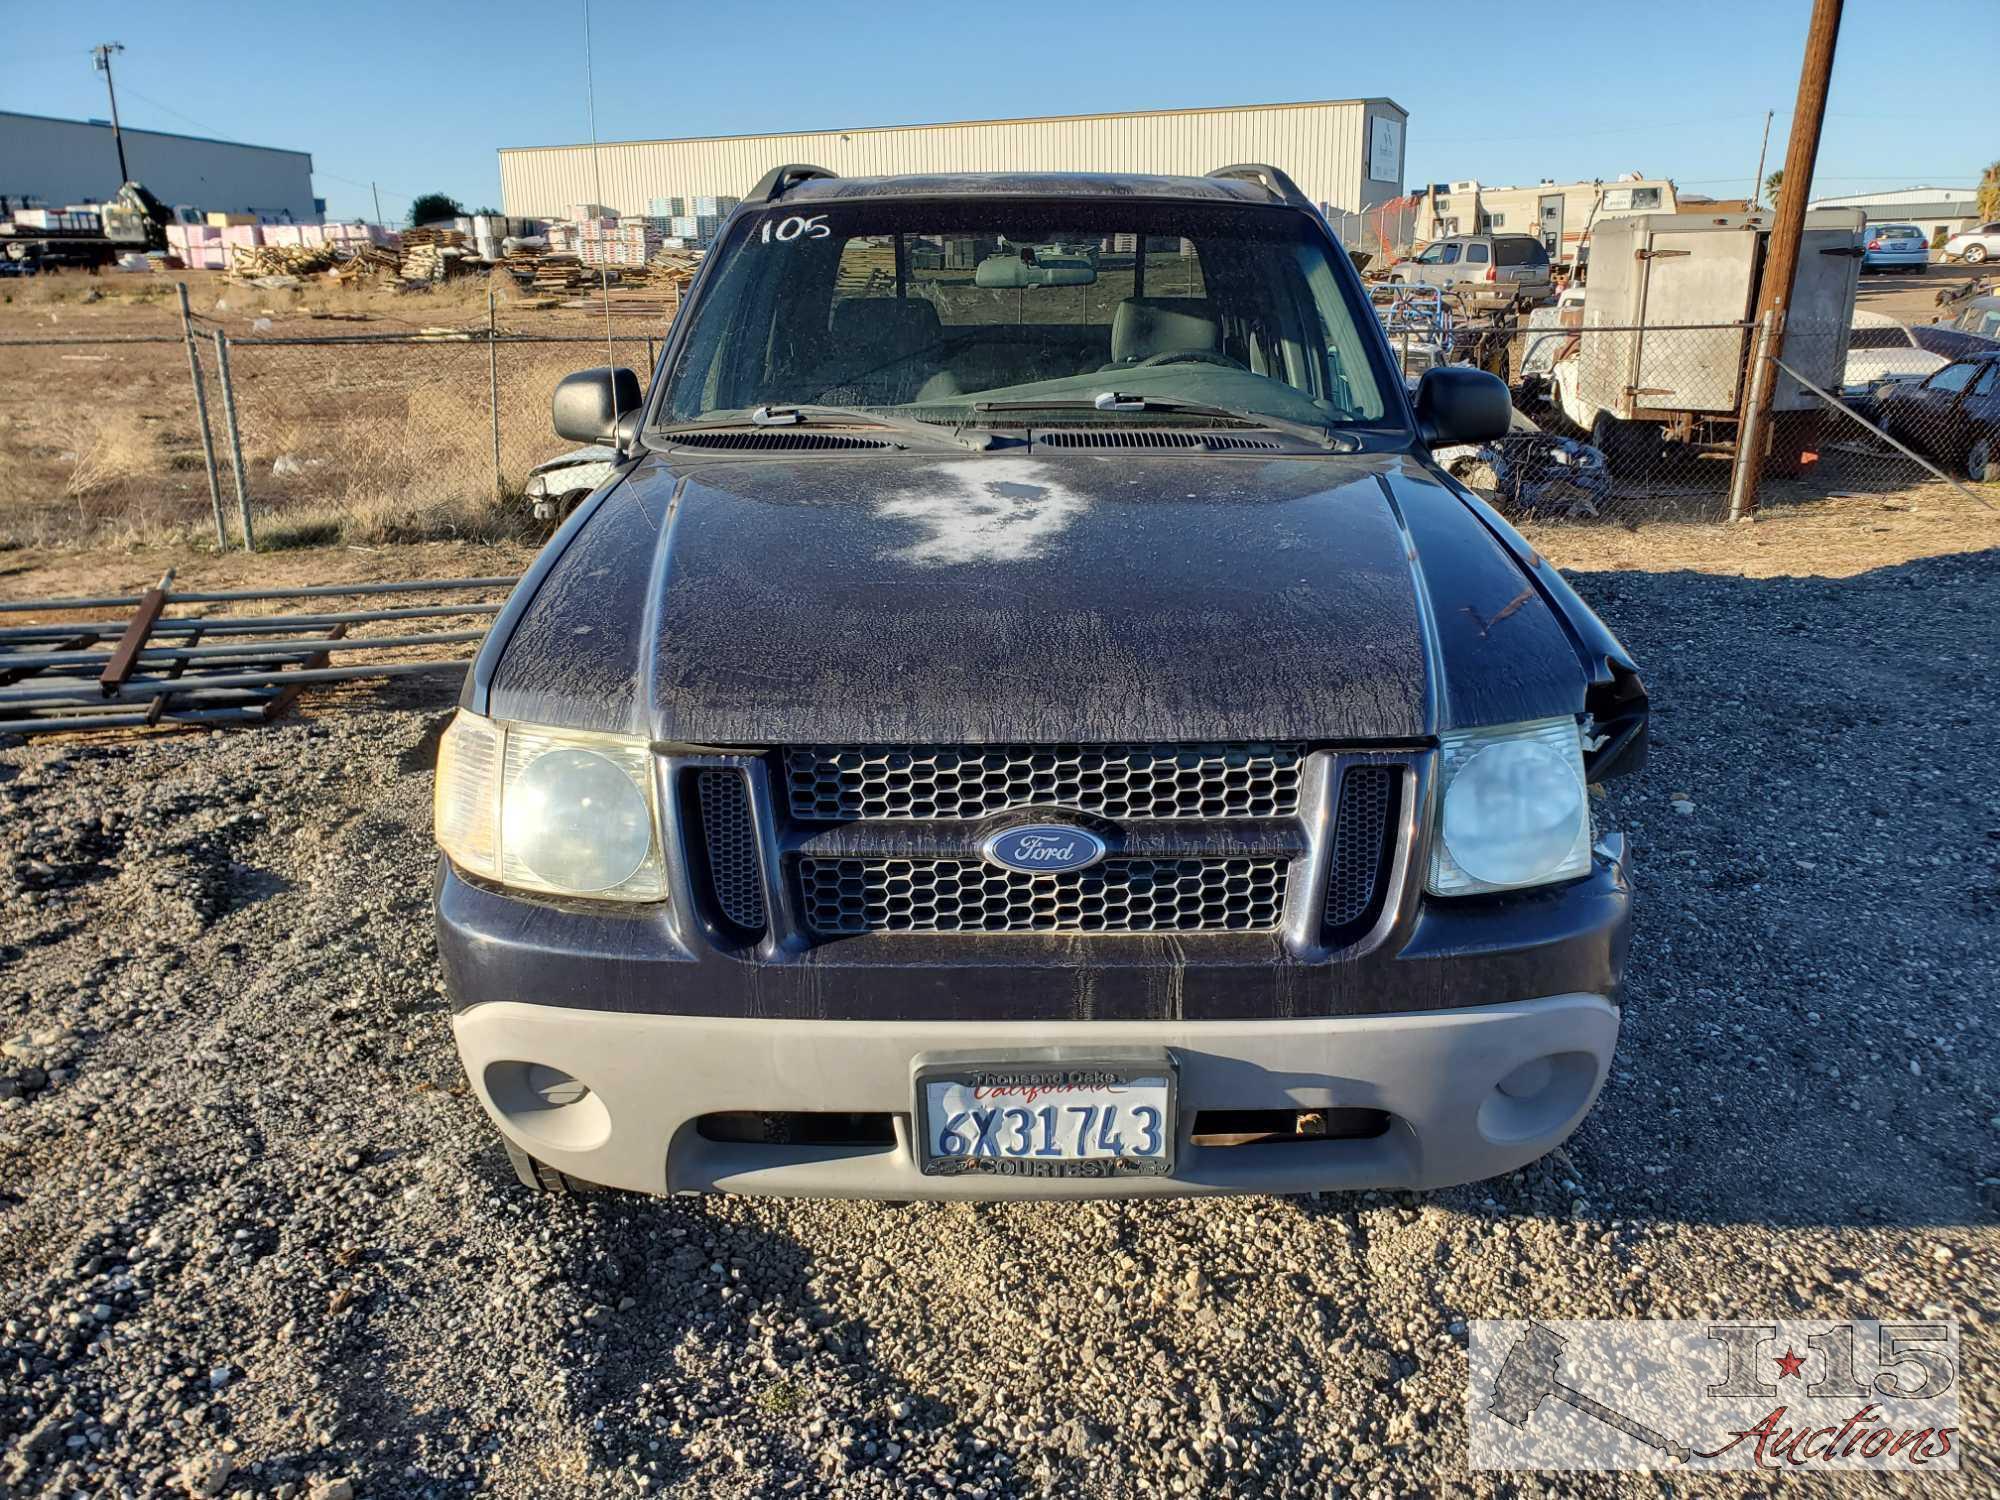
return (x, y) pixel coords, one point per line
(1311, 432)
(800, 415)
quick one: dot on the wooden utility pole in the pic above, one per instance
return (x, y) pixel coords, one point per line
(1781, 259)
(1757, 183)
(102, 53)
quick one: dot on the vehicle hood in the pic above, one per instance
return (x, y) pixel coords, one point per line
(1000, 598)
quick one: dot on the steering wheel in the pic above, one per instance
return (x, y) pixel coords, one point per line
(1190, 357)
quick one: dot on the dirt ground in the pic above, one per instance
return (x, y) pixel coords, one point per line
(256, 1238)
(101, 442)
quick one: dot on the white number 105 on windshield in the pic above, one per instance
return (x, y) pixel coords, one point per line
(797, 227)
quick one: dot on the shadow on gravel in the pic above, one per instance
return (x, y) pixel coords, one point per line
(1816, 859)
(711, 1343)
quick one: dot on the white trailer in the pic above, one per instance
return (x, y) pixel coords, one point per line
(1671, 297)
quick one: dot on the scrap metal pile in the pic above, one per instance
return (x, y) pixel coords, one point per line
(209, 666)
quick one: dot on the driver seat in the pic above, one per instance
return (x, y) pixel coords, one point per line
(1142, 327)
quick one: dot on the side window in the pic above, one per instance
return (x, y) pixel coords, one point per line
(1450, 256)
(1475, 255)
(1433, 255)
(1989, 383)
(1953, 378)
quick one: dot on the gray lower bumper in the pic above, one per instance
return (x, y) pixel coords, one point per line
(649, 1078)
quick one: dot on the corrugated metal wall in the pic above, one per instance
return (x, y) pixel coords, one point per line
(72, 161)
(1324, 146)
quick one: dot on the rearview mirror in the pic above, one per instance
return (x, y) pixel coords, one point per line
(587, 405)
(1458, 404)
(1038, 265)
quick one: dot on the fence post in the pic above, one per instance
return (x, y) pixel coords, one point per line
(201, 415)
(1750, 430)
(649, 354)
(493, 386)
(235, 438)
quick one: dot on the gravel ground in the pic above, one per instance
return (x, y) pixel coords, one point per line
(256, 1238)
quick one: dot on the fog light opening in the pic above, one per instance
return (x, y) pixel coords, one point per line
(1529, 1079)
(547, 1105)
(1539, 1097)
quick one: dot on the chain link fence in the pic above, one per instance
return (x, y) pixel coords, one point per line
(1644, 422)
(1382, 234)
(338, 429)
(413, 435)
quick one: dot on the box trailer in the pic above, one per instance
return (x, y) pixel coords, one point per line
(1671, 297)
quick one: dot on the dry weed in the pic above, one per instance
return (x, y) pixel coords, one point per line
(110, 443)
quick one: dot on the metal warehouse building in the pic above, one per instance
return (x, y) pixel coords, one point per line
(1344, 154)
(58, 162)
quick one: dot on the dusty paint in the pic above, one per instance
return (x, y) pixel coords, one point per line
(1005, 510)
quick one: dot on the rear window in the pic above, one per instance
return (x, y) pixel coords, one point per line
(1520, 250)
(1899, 231)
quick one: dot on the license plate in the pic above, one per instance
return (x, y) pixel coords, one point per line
(1037, 1119)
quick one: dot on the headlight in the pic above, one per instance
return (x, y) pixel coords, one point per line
(1513, 811)
(549, 809)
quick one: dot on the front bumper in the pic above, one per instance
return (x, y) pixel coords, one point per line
(651, 1078)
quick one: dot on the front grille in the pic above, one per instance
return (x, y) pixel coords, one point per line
(729, 843)
(831, 783)
(845, 896)
(1363, 845)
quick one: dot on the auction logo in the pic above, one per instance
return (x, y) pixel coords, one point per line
(1791, 1397)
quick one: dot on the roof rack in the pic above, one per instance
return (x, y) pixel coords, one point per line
(774, 183)
(1273, 181)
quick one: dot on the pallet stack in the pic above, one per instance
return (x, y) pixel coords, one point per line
(367, 263)
(248, 262)
(431, 255)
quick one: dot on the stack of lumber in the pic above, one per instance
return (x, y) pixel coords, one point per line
(549, 273)
(431, 255)
(247, 262)
(367, 263)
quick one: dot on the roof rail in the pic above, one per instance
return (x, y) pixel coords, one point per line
(1274, 182)
(774, 183)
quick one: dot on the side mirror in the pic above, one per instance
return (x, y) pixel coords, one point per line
(588, 404)
(1458, 404)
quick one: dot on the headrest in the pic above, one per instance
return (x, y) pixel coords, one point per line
(1145, 326)
(894, 325)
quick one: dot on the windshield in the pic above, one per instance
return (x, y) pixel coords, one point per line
(943, 306)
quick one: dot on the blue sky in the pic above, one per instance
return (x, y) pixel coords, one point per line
(418, 96)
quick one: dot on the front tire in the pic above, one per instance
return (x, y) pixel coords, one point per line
(539, 1175)
(1975, 255)
(1982, 462)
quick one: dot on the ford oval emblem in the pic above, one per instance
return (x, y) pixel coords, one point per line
(1043, 849)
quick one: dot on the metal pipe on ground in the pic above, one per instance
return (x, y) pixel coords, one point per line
(233, 596)
(160, 655)
(149, 687)
(248, 625)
